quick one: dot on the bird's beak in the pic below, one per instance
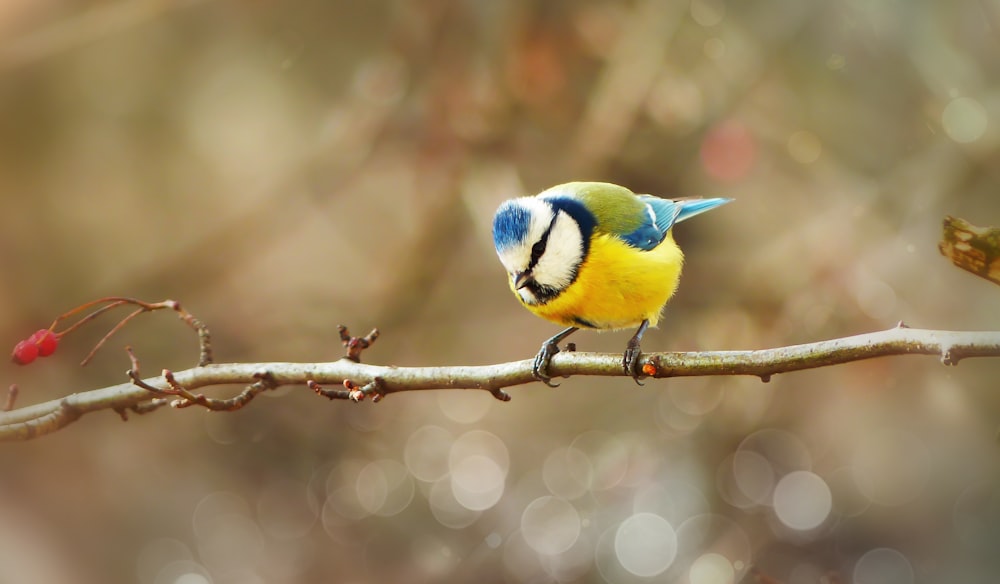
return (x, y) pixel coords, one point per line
(521, 280)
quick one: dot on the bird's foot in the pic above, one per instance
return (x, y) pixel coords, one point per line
(633, 354)
(630, 362)
(540, 369)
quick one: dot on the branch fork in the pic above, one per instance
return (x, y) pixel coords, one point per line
(356, 345)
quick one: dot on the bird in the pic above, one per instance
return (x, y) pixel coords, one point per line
(593, 255)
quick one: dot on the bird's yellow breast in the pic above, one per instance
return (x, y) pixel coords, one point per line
(617, 286)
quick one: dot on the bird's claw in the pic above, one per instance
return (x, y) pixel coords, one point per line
(630, 362)
(540, 369)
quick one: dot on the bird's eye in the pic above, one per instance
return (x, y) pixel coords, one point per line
(537, 250)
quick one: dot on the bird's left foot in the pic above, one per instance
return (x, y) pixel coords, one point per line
(540, 368)
(630, 361)
(633, 354)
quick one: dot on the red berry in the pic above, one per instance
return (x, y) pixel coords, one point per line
(46, 341)
(24, 352)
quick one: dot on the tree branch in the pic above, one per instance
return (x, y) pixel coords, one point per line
(378, 381)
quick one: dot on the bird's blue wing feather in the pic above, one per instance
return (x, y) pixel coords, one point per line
(662, 214)
(692, 207)
(659, 215)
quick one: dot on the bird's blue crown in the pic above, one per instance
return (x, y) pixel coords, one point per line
(513, 219)
(510, 225)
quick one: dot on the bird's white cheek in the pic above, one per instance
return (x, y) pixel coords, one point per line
(526, 296)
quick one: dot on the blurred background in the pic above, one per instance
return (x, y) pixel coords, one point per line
(284, 167)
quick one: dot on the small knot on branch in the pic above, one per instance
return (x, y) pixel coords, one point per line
(499, 394)
(949, 356)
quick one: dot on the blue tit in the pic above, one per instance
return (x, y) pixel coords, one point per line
(593, 255)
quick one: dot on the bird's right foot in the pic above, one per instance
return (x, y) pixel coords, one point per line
(540, 369)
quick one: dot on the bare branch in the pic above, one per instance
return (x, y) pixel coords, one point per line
(361, 380)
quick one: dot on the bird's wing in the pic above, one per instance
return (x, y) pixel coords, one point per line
(658, 216)
(642, 221)
(663, 214)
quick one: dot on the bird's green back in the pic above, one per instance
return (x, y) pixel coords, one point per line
(617, 209)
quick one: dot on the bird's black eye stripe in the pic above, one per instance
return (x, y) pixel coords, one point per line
(539, 248)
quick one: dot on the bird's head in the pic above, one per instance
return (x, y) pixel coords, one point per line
(541, 243)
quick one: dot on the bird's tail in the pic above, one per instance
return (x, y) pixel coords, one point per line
(692, 207)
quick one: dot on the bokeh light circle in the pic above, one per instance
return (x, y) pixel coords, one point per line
(802, 500)
(646, 544)
(465, 407)
(711, 533)
(426, 453)
(343, 485)
(231, 542)
(192, 578)
(384, 487)
(964, 120)
(521, 562)
(183, 572)
(753, 476)
(214, 505)
(600, 459)
(477, 481)
(674, 500)
(695, 396)
(158, 553)
(447, 509)
(372, 488)
(565, 473)
(550, 525)
(711, 568)
(883, 566)
(783, 450)
(479, 443)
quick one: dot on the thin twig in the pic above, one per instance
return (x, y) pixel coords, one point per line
(110, 302)
(111, 332)
(84, 320)
(12, 392)
(950, 346)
